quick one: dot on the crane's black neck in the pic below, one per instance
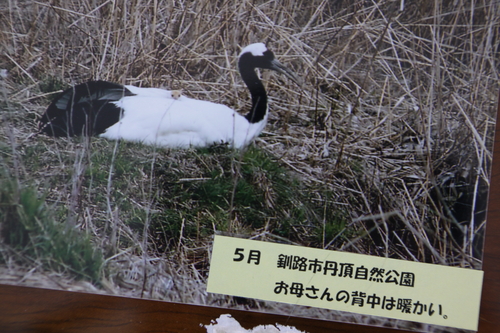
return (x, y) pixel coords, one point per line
(257, 91)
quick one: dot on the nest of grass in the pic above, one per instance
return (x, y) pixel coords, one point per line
(386, 149)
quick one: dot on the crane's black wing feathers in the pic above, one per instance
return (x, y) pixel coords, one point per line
(85, 109)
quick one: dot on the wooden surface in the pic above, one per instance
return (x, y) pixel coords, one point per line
(25, 309)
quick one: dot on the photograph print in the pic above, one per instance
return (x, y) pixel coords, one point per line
(133, 132)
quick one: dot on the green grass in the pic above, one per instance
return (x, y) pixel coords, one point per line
(248, 193)
(188, 195)
(29, 228)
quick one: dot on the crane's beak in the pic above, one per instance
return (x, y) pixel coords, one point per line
(280, 68)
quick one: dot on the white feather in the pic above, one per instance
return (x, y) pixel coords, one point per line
(154, 117)
(256, 49)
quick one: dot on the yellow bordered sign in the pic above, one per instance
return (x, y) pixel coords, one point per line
(399, 289)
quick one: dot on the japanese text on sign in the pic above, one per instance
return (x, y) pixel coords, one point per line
(346, 270)
(343, 281)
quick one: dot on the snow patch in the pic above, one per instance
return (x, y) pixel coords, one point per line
(227, 324)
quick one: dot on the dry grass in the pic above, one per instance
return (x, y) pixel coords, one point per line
(395, 117)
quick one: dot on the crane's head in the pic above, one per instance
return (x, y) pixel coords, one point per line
(258, 56)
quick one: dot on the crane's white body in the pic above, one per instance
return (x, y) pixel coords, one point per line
(160, 117)
(152, 116)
